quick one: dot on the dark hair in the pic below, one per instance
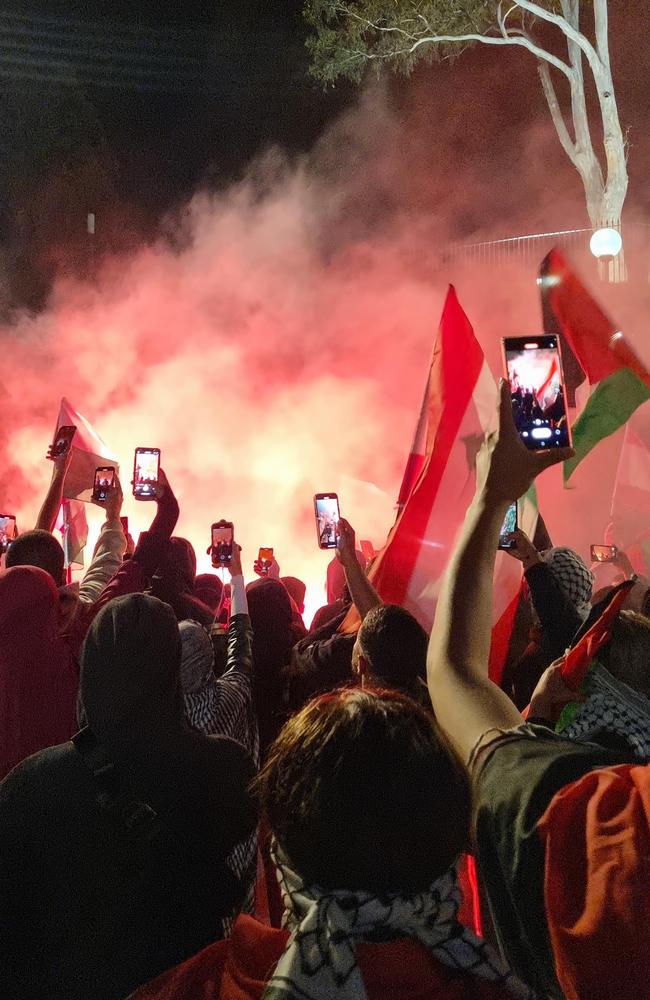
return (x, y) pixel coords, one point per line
(627, 654)
(209, 589)
(395, 646)
(363, 791)
(38, 548)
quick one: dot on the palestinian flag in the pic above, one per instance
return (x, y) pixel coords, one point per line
(88, 453)
(631, 499)
(618, 381)
(73, 526)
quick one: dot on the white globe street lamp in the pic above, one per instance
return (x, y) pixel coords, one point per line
(606, 243)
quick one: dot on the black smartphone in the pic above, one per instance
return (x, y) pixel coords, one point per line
(326, 511)
(62, 442)
(104, 481)
(604, 553)
(222, 541)
(533, 367)
(146, 469)
(509, 525)
(7, 531)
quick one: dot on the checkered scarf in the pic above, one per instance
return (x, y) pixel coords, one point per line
(573, 577)
(611, 707)
(320, 959)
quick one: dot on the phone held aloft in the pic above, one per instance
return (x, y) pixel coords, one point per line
(508, 528)
(604, 553)
(7, 531)
(62, 441)
(104, 482)
(265, 558)
(146, 472)
(533, 367)
(222, 534)
(327, 514)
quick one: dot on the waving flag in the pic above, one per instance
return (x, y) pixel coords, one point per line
(618, 380)
(550, 387)
(88, 452)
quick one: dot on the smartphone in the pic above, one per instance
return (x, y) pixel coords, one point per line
(509, 525)
(326, 510)
(222, 536)
(124, 521)
(146, 468)
(603, 553)
(7, 531)
(533, 367)
(62, 441)
(265, 558)
(104, 480)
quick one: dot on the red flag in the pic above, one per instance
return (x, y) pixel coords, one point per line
(459, 407)
(88, 452)
(631, 500)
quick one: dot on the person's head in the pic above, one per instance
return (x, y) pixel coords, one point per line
(390, 649)
(627, 654)
(179, 570)
(130, 666)
(38, 548)
(574, 578)
(208, 588)
(296, 589)
(197, 660)
(362, 791)
(269, 607)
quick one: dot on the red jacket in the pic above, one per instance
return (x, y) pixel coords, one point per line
(239, 968)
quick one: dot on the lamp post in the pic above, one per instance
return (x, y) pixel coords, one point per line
(606, 245)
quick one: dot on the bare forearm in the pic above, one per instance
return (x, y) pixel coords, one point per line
(52, 503)
(463, 626)
(363, 594)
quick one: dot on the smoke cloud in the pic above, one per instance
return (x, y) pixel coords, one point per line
(276, 341)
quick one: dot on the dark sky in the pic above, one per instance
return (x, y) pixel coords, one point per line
(178, 94)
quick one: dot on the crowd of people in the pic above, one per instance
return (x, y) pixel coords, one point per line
(201, 798)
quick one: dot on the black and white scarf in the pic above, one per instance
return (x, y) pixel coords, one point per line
(320, 958)
(611, 707)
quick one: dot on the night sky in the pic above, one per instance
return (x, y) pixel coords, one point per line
(128, 108)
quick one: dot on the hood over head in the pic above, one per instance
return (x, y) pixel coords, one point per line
(130, 670)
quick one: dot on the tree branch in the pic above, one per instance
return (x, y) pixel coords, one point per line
(556, 113)
(566, 28)
(601, 27)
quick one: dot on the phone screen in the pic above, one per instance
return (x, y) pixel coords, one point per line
(604, 553)
(509, 525)
(534, 371)
(222, 536)
(104, 480)
(145, 473)
(62, 441)
(7, 531)
(326, 506)
(265, 556)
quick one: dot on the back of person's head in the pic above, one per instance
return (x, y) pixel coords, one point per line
(130, 671)
(269, 607)
(362, 791)
(179, 570)
(394, 646)
(208, 588)
(296, 589)
(573, 576)
(627, 654)
(38, 548)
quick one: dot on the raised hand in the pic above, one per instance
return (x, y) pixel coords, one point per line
(505, 468)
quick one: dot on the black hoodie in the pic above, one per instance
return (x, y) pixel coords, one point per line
(87, 907)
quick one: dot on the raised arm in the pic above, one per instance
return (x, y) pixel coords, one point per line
(363, 594)
(465, 701)
(51, 506)
(240, 633)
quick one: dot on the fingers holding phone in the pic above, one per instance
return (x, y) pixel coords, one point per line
(346, 543)
(235, 567)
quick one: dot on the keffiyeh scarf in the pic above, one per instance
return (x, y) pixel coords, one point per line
(573, 577)
(320, 958)
(611, 707)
